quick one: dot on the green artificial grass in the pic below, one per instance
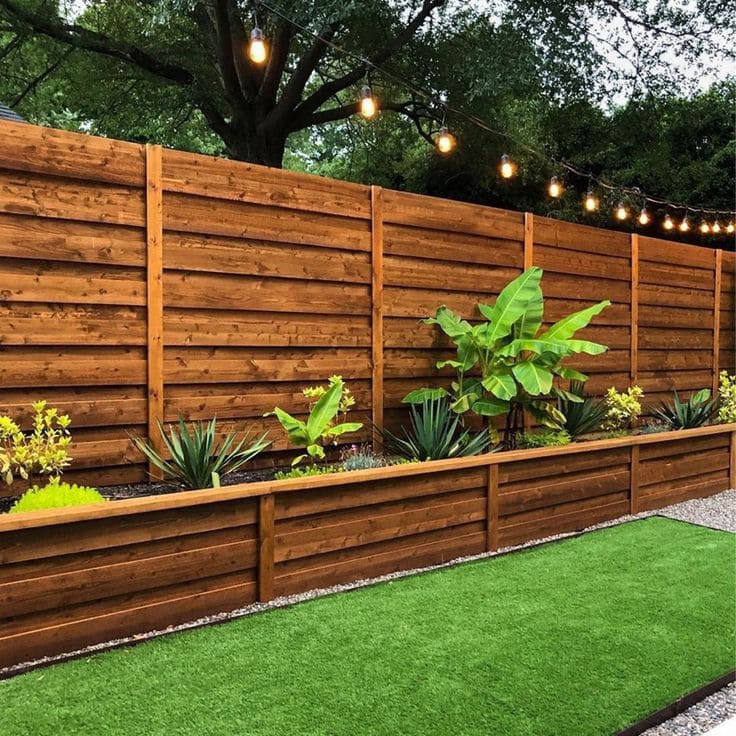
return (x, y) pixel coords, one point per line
(584, 636)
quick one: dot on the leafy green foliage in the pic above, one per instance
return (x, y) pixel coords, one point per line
(434, 432)
(55, 495)
(543, 438)
(197, 459)
(307, 471)
(322, 424)
(696, 411)
(727, 398)
(583, 414)
(622, 409)
(42, 451)
(515, 358)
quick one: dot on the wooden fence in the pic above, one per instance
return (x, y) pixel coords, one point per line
(79, 576)
(138, 284)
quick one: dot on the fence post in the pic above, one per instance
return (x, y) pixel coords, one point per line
(634, 336)
(376, 310)
(154, 298)
(716, 317)
(528, 240)
(492, 531)
(634, 481)
(266, 546)
(732, 463)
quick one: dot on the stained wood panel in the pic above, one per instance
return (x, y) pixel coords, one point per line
(269, 285)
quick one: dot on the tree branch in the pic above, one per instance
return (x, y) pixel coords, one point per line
(83, 38)
(50, 69)
(316, 100)
(276, 64)
(305, 67)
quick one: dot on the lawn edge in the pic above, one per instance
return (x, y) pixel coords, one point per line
(676, 707)
(226, 617)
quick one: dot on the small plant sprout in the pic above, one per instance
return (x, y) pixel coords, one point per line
(326, 421)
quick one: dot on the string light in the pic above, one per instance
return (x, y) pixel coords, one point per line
(704, 227)
(716, 227)
(508, 167)
(367, 102)
(445, 141)
(257, 46)
(621, 212)
(555, 188)
(644, 216)
(590, 202)
(730, 228)
(684, 225)
(668, 224)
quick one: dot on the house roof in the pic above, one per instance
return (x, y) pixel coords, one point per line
(7, 114)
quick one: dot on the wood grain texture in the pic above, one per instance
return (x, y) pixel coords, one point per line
(132, 274)
(377, 398)
(79, 576)
(716, 318)
(155, 300)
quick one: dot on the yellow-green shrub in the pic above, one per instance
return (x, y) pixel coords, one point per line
(727, 393)
(42, 451)
(55, 495)
(622, 409)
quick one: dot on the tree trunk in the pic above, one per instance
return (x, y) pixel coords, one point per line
(514, 425)
(257, 147)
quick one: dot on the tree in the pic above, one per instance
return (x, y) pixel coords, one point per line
(153, 66)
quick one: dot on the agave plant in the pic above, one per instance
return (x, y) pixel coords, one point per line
(197, 460)
(515, 358)
(435, 432)
(583, 415)
(695, 412)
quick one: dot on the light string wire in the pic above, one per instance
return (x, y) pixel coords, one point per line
(442, 104)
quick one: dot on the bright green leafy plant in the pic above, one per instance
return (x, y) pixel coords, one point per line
(583, 415)
(543, 438)
(55, 495)
(197, 459)
(507, 364)
(727, 396)
(622, 409)
(307, 471)
(434, 432)
(333, 404)
(678, 414)
(42, 451)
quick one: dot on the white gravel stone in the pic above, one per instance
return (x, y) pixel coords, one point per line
(702, 717)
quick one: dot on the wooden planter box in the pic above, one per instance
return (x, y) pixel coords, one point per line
(74, 577)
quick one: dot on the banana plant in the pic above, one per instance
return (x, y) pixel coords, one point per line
(320, 426)
(507, 363)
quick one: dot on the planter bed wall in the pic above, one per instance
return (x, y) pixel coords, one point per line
(79, 576)
(137, 284)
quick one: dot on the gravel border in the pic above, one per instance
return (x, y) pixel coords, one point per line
(717, 512)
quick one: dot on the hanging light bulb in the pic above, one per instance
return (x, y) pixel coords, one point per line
(684, 225)
(257, 46)
(704, 227)
(508, 167)
(730, 228)
(555, 187)
(668, 224)
(644, 216)
(445, 141)
(590, 202)
(716, 227)
(367, 102)
(621, 212)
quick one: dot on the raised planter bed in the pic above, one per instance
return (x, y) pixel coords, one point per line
(79, 576)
